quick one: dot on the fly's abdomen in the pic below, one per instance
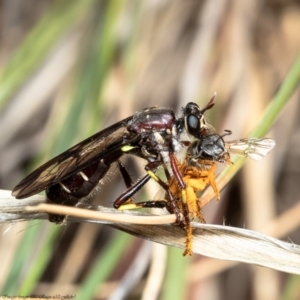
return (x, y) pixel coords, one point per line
(71, 190)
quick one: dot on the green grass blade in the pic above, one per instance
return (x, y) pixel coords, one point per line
(13, 281)
(267, 120)
(38, 43)
(283, 95)
(104, 265)
(175, 284)
(40, 263)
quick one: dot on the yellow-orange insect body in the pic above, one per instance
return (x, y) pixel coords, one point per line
(198, 171)
(196, 178)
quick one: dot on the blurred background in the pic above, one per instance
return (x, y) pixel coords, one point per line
(71, 68)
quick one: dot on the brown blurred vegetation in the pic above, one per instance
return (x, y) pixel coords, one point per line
(164, 53)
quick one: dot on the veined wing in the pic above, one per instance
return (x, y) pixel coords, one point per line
(70, 162)
(254, 148)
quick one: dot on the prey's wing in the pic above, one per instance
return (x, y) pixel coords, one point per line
(105, 144)
(254, 148)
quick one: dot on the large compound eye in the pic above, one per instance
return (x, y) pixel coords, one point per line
(193, 125)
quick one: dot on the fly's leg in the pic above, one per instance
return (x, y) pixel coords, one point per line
(121, 202)
(189, 233)
(172, 205)
(212, 182)
(178, 176)
(125, 175)
(126, 178)
(145, 204)
(185, 204)
(183, 221)
(124, 201)
(194, 185)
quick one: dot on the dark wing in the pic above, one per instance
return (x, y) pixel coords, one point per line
(99, 146)
(254, 148)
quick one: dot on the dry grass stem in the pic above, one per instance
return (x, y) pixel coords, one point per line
(215, 241)
(278, 228)
(156, 272)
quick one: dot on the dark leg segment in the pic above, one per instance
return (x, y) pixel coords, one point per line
(175, 170)
(131, 191)
(125, 175)
(151, 167)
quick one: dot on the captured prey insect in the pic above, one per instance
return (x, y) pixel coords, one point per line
(154, 134)
(197, 170)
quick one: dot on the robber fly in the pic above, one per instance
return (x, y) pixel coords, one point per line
(154, 134)
(197, 170)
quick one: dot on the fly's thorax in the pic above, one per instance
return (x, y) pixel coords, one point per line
(206, 128)
(180, 152)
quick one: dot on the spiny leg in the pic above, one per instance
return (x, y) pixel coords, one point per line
(125, 175)
(185, 208)
(177, 175)
(191, 208)
(121, 202)
(188, 230)
(145, 204)
(194, 185)
(126, 178)
(189, 240)
(172, 206)
(212, 182)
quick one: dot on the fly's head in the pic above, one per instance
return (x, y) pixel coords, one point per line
(209, 148)
(193, 123)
